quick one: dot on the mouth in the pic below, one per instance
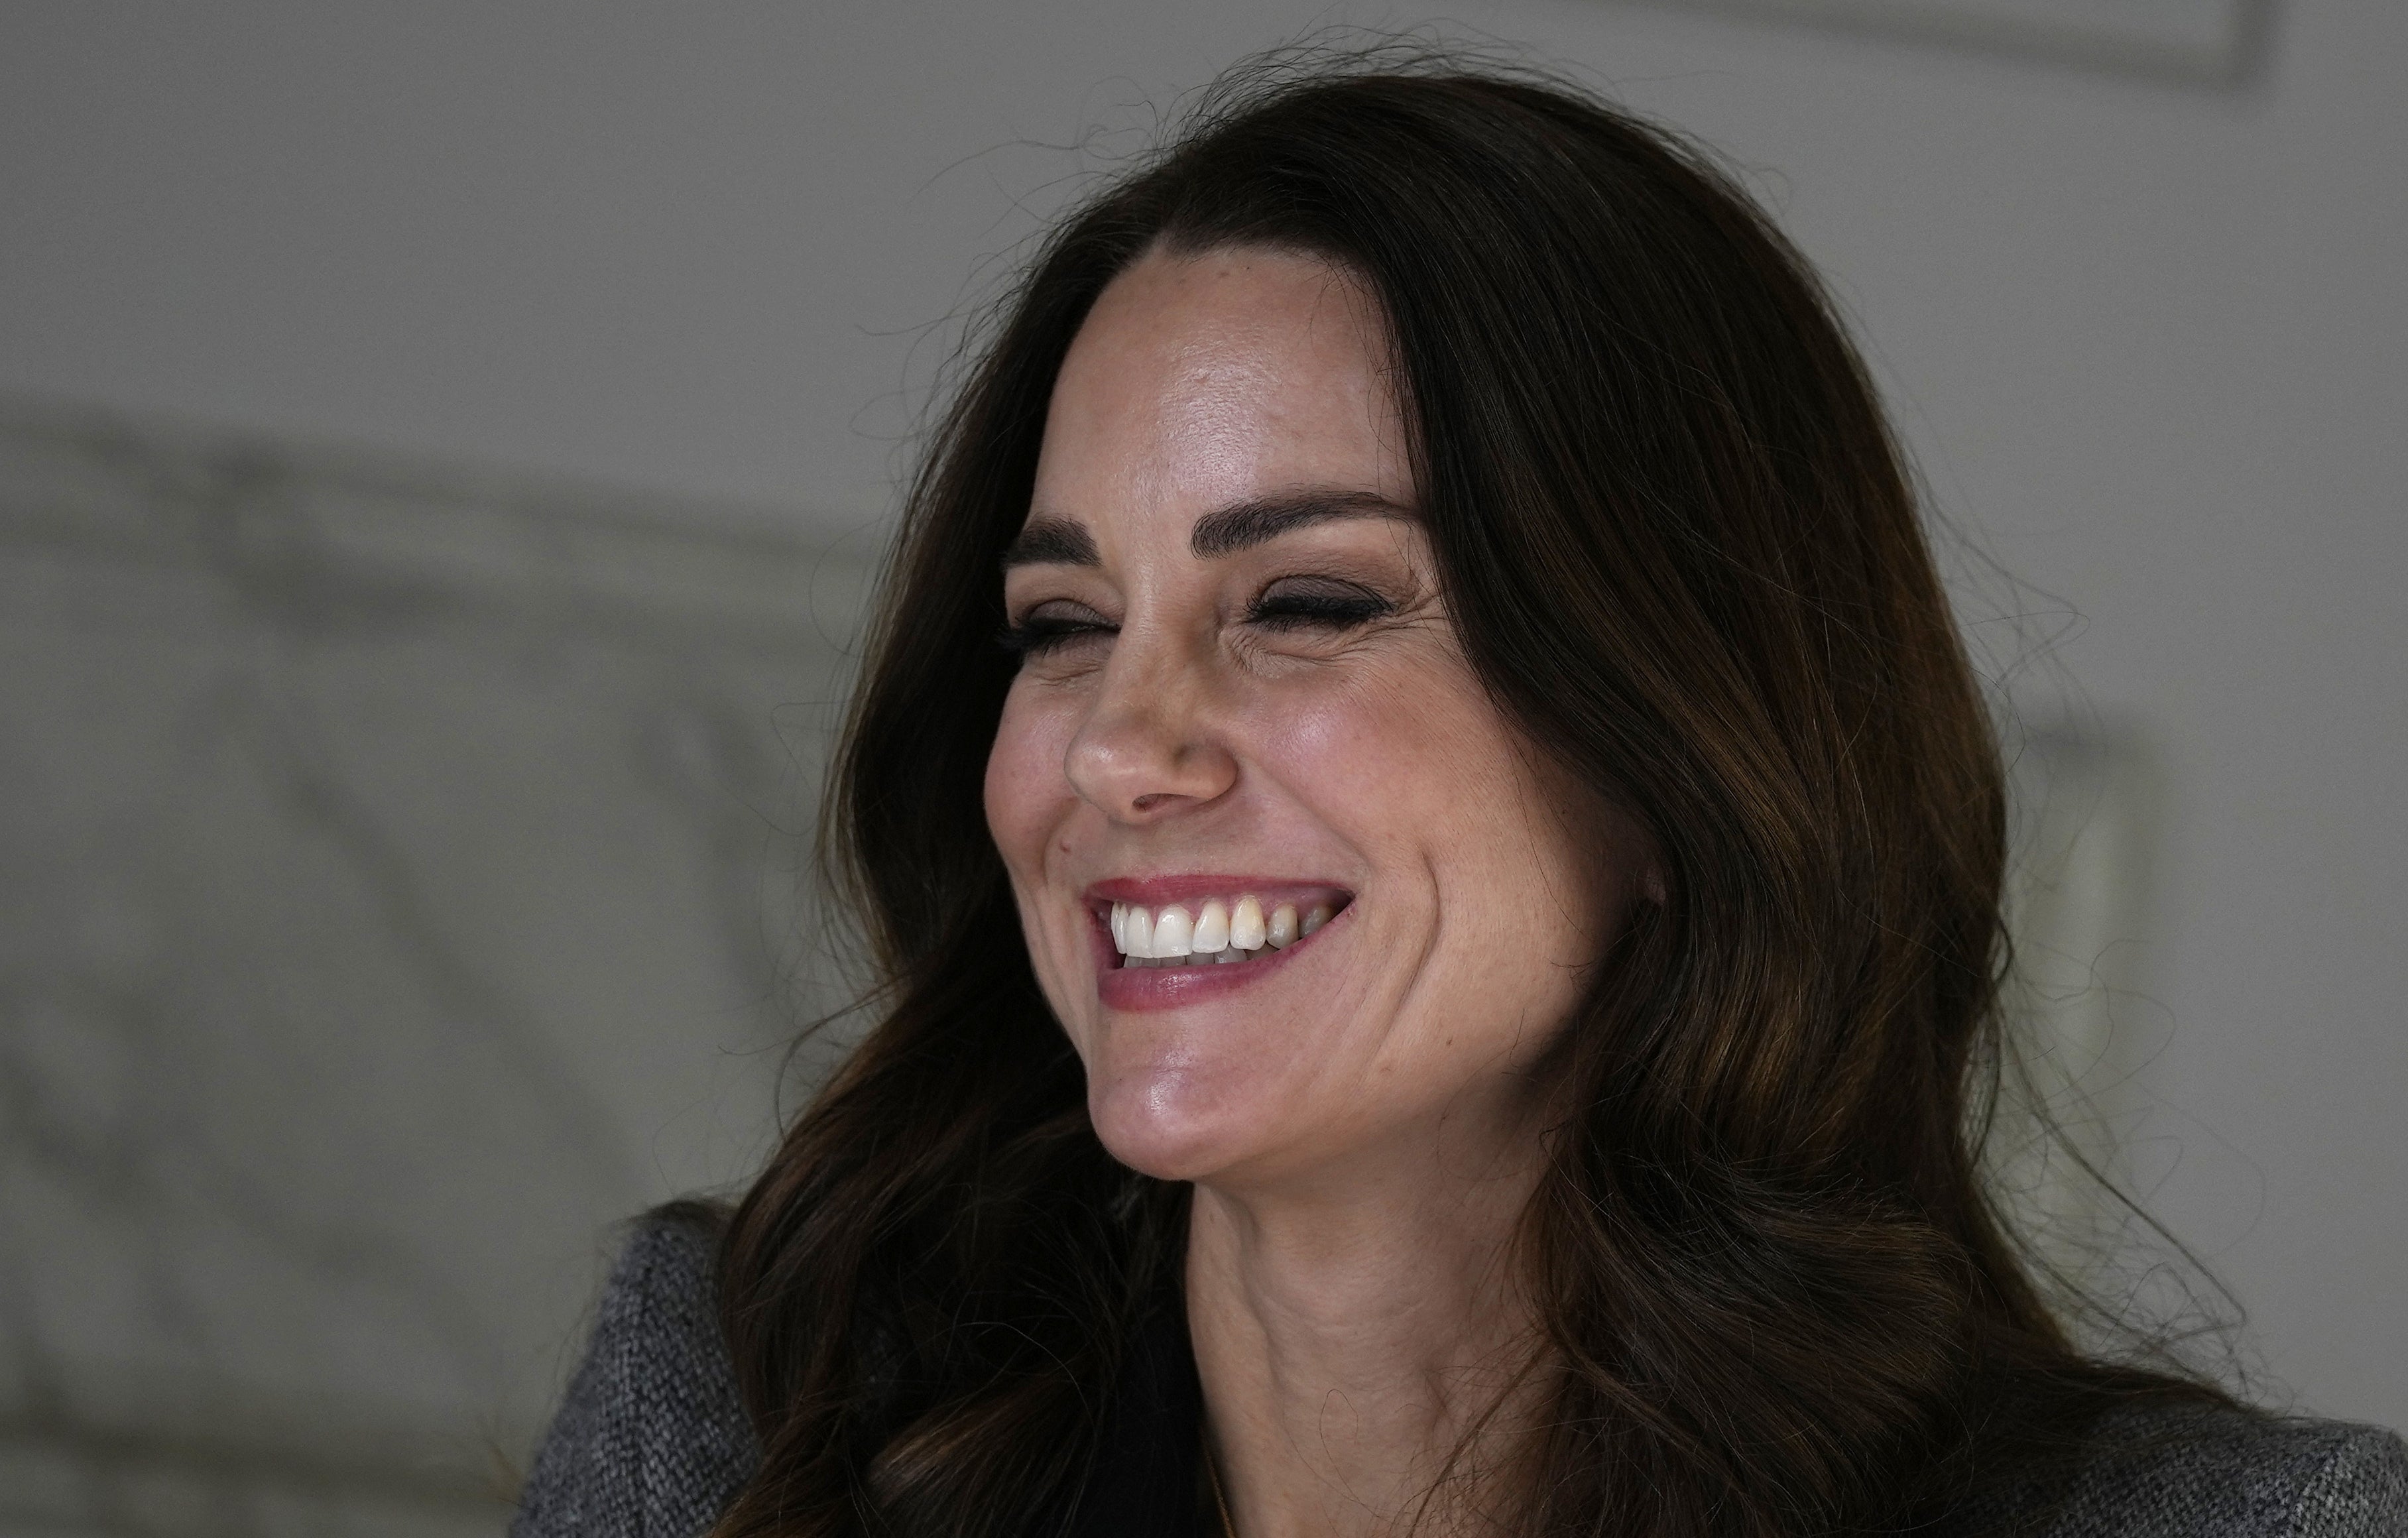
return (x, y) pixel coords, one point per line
(1171, 936)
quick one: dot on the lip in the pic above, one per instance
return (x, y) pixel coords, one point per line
(1146, 988)
(1159, 891)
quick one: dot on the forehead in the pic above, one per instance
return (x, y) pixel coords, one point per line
(1230, 376)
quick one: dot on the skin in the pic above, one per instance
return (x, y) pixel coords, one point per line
(1362, 1123)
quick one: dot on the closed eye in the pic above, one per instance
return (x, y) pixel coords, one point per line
(1316, 603)
(1037, 634)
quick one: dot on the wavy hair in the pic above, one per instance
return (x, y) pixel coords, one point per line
(1682, 552)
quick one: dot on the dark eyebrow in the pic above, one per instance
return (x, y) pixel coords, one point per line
(1242, 525)
(1048, 540)
(1051, 541)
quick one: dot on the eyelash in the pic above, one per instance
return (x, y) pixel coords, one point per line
(1035, 637)
(1325, 609)
(1335, 610)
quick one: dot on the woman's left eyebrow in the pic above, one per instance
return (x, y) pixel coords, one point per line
(1050, 540)
(1242, 525)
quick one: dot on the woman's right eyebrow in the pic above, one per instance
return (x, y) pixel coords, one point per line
(1051, 541)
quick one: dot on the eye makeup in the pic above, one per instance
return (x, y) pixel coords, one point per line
(1039, 632)
(1326, 603)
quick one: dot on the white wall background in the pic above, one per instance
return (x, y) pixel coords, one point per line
(2147, 338)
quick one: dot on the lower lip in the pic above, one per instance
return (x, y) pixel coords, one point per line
(1134, 989)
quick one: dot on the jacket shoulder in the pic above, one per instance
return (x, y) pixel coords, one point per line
(2231, 1473)
(651, 1437)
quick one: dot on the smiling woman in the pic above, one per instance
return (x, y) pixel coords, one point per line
(1241, 702)
(1441, 977)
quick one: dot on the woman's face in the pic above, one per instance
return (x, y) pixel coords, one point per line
(1244, 737)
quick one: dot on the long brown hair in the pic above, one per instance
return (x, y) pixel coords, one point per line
(1681, 550)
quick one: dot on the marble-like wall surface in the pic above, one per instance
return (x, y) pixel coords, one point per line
(402, 875)
(2072, 1101)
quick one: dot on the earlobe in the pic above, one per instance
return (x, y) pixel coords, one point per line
(1652, 885)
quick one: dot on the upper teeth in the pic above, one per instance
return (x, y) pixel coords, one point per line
(1216, 928)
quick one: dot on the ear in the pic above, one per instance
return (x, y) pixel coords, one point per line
(1651, 884)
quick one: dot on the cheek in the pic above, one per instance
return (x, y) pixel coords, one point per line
(1026, 787)
(1419, 771)
(1397, 758)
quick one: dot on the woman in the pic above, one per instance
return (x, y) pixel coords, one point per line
(1438, 978)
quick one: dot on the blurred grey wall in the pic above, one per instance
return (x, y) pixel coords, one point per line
(401, 884)
(2143, 331)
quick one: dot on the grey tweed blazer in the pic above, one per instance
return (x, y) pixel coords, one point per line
(651, 1443)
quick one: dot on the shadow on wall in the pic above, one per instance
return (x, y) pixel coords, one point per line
(401, 876)
(2193, 42)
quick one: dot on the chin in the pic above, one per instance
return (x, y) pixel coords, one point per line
(1165, 1123)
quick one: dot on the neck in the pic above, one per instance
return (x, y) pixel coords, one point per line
(1350, 1337)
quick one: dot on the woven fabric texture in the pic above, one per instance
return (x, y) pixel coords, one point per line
(651, 1443)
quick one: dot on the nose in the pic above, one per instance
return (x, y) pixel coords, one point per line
(1146, 750)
